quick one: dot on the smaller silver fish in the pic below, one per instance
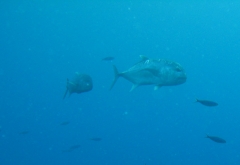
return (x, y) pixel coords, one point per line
(207, 103)
(79, 84)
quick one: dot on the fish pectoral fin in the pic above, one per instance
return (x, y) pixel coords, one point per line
(152, 71)
(133, 87)
(71, 83)
(65, 94)
(157, 87)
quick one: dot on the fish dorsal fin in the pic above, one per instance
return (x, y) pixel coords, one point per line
(143, 58)
(133, 87)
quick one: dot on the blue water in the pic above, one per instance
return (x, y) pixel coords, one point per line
(42, 43)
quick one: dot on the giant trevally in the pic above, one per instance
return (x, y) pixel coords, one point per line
(79, 84)
(157, 72)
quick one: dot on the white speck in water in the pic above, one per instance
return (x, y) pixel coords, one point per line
(125, 113)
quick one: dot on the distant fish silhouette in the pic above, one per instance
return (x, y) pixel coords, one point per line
(108, 59)
(207, 103)
(24, 132)
(65, 123)
(216, 139)
(96, 139)
(72, 148)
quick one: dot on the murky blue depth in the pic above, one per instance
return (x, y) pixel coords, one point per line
(42, 43)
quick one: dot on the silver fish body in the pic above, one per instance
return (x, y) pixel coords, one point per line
(157, 72)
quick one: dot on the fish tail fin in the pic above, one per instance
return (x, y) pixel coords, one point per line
(66, 92)
(116, 76)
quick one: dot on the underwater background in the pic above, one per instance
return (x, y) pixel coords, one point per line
(42, 43)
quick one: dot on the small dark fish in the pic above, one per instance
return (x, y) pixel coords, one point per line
(72, 148)
(24, 132)
(108, 59)
(207, 103)
(216, 139)
(95, 139)
(65, 123)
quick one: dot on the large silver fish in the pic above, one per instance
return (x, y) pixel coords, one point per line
(157, 72)
(79, 84)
